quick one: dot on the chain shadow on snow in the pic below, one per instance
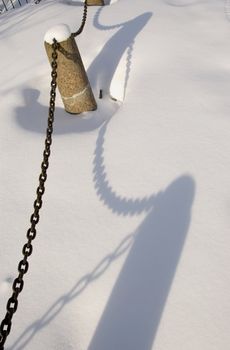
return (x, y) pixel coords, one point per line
(33, 115)
(121, 41)
(79, 287)
(133, 312)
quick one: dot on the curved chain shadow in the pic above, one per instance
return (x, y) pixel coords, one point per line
(113, 51)
(100, 26)
(118, 204)
(134, 310)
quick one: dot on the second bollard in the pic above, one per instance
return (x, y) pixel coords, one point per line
(95, 2)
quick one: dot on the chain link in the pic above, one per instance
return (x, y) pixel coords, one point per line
(27, 250)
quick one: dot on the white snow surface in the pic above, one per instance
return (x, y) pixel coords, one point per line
(132, 250)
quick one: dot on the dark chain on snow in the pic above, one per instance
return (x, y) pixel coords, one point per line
(12, 304)
(23, 266)
(80, 30)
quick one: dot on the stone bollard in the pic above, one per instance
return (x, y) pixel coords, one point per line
(72, 80)
(95, 2)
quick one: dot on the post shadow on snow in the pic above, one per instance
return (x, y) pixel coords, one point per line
(134, 309)
(109, 2)
(32, 116)
(133, 312)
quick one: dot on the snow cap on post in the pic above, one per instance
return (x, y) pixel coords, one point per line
(72, 80)
(60, 32)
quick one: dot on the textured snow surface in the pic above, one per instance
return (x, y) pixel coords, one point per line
(132, 251)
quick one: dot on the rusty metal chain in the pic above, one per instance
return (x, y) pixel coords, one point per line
(80, 30)
(18, 284)
(23, 266)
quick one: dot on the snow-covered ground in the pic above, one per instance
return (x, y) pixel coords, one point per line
(132, 251)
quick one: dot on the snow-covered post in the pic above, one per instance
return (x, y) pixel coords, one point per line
(72, 80)
(95, 2)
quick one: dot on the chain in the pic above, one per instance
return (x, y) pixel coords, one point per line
(80, 30)
(23, 266)
(18, 284)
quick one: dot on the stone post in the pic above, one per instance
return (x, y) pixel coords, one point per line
(95, 2)
(72, 80)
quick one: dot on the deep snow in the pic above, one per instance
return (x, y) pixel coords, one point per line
(133, 244)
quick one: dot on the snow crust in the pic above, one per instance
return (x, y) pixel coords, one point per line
(60, 32)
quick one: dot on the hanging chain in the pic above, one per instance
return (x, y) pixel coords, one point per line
(80, 30)
(23, 266)
(12, 304)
